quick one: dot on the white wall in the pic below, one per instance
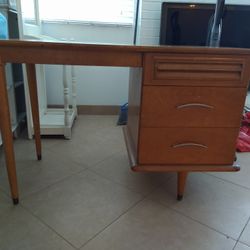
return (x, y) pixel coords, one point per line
(96, 85)
(151, 13)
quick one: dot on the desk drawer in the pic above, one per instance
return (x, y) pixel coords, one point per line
(187, 146)
(194, 70)
(166, 106)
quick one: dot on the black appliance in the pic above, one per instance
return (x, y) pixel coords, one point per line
(187, 24)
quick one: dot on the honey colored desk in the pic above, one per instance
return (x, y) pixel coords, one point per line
(185, 103)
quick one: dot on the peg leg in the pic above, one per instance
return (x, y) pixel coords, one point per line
(7, 137)
(31, 76)
(182, 178)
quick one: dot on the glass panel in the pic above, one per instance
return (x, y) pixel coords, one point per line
(109, 11)
(28, 11)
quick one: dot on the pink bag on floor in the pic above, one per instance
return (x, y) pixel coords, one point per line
(246, 119)
(243, 141)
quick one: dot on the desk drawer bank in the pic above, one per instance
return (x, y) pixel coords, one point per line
(185, 112)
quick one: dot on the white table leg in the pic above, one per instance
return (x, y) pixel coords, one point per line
(67, 128)
(73, 78)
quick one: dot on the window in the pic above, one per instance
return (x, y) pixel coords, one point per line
(108, 11)
(28, 10)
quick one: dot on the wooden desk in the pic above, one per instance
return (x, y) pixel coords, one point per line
(164, 71)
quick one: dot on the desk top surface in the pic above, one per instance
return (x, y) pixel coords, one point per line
(74, 53)
(118, 47)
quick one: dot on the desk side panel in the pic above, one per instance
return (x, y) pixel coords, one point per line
(134, 103)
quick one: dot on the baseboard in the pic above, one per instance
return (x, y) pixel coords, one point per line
(94, 109)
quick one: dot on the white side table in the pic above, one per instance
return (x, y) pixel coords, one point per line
(53, 121)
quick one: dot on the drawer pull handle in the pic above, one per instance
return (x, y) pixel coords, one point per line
(199, 105)
(189, 144)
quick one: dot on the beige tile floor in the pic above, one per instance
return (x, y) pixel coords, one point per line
(82, 195)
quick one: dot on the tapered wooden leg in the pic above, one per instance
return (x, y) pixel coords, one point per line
(6, 132)
(31, 76)
(182, 177)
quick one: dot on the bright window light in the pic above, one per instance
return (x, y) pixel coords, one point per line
(28, 9)
(108, 11)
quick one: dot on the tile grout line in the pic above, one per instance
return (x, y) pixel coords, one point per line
(193, 219)
(96, 163)
(48, 226)
(115, 182)
(54, 183)
(77, 163)
(79, 172)
(58, 181)
(125, 186)
(227, 181)
(50, 185)
(44, 223)
(109, 179)
(242, 243)
(176, 211)
(238, 240)
(106, 158)
(119, 183)
(70, 176)
(66, 177)
(121, 215)
(144, 197)
(235, 245)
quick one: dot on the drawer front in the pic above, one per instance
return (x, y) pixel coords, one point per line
(187, 146)
(194, 70)
(166, 106)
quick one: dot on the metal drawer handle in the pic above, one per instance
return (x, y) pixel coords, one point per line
(189, 144)
(199, 105)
